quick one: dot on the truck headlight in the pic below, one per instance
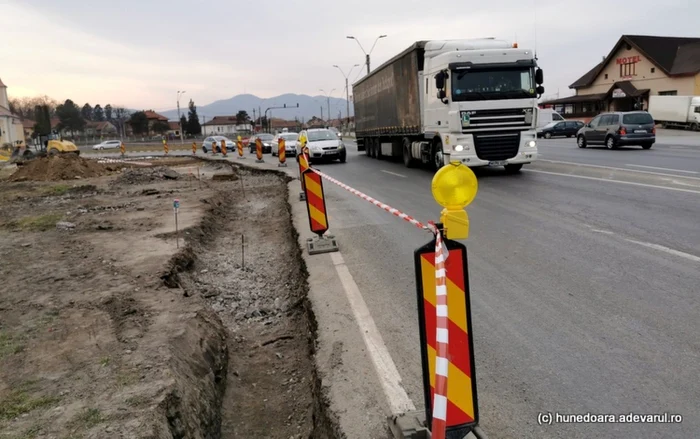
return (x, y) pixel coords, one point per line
(532, 144)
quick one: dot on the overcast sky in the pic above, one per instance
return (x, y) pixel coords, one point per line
(139, 53)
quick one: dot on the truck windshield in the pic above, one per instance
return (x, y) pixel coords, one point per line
(482, 84)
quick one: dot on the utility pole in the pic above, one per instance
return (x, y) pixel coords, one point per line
(328, 100)
(179, 118)
(367, 54)
(204, 122)
(347, 93)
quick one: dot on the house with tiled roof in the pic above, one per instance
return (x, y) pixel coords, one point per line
(11, 129)
(225, 126)
(638, 66)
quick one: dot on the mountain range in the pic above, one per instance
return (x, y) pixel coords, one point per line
(309, 106)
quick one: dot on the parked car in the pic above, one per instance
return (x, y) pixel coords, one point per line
(618, 129)
(207, 144)
(567, 128)
(290, 143)
(324, 144)
(266, 140)
(108, 144)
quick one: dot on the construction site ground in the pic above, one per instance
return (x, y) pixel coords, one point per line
(112, 324)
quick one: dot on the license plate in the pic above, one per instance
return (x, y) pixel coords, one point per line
(640, 131)
(498, 163)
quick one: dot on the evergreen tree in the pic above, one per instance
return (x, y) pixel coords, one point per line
(86, 112)
(108, 112)
(98, 113)
(193, 125)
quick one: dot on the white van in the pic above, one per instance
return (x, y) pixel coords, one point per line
(546, 116)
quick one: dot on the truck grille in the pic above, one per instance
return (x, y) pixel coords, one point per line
(496, 145)
(502, 119)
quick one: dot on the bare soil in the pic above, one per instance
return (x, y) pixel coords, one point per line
(59, 167)
(108, 329)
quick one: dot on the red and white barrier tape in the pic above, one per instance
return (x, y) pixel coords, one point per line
(439, 424)
(378, 203)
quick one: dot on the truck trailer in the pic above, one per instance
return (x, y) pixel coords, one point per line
(472, 101)
(679, 111)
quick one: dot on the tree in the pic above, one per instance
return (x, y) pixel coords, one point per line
(98, 113)
(24, 107)
(242, 117)
(86, 112)
(160, 127)
(70, 118)
(183, 124)
(119, 120)
(42, 116)
(139, 123)
(193, 125)
(108, 112)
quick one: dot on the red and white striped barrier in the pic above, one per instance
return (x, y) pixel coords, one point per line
(133, 162)
(378, 203)
(439, 423)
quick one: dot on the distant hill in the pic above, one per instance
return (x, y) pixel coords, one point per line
(309, 106)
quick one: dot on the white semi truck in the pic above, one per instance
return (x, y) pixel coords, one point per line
(474, 101)
(679, 111)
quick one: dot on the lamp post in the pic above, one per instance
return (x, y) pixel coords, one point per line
(350, 37)
(328, 99)
(179, 118)
(347, 93)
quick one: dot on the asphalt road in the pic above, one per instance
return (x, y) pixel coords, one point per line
(584, 284)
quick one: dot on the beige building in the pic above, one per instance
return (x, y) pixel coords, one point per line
(637, 67)
(11, 128)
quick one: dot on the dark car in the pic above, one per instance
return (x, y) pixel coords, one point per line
(266, 140)
(618, 129)
(565, 128)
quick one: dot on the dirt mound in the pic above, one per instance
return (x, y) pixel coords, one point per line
(60, 167)
(145, 175)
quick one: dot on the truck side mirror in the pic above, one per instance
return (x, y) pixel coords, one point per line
(540, 90)
(539, 76)
(440, 80)
(441, 94)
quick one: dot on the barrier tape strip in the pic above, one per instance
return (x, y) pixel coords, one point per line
(378, 203)
(439, 424)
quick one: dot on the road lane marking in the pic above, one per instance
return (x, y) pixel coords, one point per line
(666, 250)
(388, 374)
(393, 173)
(617, 169)
(615, 181)
(663, 169)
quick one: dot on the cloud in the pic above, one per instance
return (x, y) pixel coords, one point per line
(139, 54)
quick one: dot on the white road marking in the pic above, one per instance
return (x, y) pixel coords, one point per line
(663, 169)
(654, 246)
(389, 377)
(393, 173)
(666, 250)
(614, 181)
(616, 169)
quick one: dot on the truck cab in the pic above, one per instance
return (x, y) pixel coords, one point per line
(480, 103)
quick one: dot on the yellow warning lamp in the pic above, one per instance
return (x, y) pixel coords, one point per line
(515, 45)
(454, 188)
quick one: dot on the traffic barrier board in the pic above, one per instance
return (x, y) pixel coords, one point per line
(315, 202)
(461, 402)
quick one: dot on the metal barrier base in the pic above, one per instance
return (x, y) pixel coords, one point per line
(282, 165)
(322, 244)
(241, 157)
(260, 161)
(411, 425)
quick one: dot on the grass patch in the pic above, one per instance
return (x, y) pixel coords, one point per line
(10, 345)
(104, 361)
(20, 401)
(39, 223)
(86, 419)
(57, 190)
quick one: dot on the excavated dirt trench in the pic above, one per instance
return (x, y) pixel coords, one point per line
(244, 259)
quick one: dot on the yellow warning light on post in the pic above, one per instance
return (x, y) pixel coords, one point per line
(454, 188)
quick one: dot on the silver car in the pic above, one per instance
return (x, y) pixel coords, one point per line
(324, 144)
(209, 141)
(108, 144)
(290, 143)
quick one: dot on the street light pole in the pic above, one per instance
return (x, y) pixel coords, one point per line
(347, 93)
(367, 54)
(179, 118)
(328, 98)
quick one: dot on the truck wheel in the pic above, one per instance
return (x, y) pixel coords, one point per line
(368, 146)
(378, 145)
(408, 160)
(437, 161)
(512, 169)
(694, 127)
(373, 153)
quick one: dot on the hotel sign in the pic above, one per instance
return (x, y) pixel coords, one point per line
(628, 59)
